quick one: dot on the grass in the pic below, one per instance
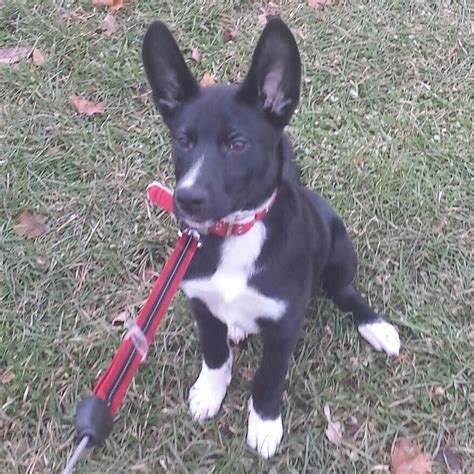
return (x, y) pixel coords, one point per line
(383, 131)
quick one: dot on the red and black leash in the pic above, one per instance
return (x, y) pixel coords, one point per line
(95, 414)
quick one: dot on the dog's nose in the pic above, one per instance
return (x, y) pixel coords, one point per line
(191, 199)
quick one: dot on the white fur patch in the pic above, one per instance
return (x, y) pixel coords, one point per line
(263, 435)
(382, 336)
(227, 293)
(190, 177)
(236, 334)
(207, 393)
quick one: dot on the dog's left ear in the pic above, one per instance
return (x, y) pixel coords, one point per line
(273, 81)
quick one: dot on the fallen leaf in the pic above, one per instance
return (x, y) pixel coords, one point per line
(53, 150)
(119, 319)
(117, 5)
(207, 80)
(268, 10)
(319, 4)
(333, 431)
(407, 458)
(7, 377)
(195, 55)
(109, 25)
(13, 55)
(113, 4)
(84, 106)
(228, 35)
(31, 225)
(38, 58)
(453, 460)
(359, 160)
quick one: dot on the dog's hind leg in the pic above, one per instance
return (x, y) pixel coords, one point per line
(208, 392)
(337, 283)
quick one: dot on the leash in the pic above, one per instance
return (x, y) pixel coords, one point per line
(95, 413)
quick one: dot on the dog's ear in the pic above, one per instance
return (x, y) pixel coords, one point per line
(273, 81)
(170, 79)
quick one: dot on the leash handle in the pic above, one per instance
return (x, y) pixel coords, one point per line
(94, 415)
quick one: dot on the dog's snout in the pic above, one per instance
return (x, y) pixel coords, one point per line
(191, 199)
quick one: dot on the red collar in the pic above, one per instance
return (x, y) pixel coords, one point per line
(163, 197)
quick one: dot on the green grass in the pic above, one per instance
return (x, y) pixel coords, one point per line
(386, 84)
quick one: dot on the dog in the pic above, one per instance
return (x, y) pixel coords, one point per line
(268, 243)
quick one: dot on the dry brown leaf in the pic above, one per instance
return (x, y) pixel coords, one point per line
(319, 4)
(207, 80)
(13, 55)
(407, 458)
(84, 106)
(117, 5)
(228, 35)
(30, 225)
(268, 10)
(53, 150)
(109, 25)
(333, 431)
(7, 377)
(113, 4)
(38, 58)
(119, 319)
(195, 55)
(359, 160)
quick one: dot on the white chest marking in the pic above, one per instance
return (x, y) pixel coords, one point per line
(227, 293)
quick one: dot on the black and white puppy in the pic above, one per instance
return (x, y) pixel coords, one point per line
(231, 159)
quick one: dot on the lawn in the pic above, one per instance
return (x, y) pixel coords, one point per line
(383, 131)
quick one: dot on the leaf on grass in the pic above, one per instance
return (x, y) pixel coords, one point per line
(333, 431)
(30, 225)
(114, 5)
(268, 10)
(207, 80)
(53, 150)
(14, 55)
(359, 160)
(228, 35)
(7, 377)
(407, 458)
(38, 58)
(195, 55)
(109, 25)
(84, 106)
(319, 4)
(453, 460)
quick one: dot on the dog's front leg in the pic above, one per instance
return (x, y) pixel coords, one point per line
(207, 393)
(265, 428)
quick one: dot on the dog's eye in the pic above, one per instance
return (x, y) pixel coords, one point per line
(184, 142)
(238, 145)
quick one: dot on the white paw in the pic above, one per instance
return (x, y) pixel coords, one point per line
(207, 393)
(236, 334)
(382, 336)
(263, 435)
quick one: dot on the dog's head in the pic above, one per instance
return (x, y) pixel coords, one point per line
(224, 138)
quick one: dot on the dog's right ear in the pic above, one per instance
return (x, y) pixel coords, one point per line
(170, 79)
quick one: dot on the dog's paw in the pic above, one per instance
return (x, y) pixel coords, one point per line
(236, 334)
(382, 336)
(207, 393)
(263, 435)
